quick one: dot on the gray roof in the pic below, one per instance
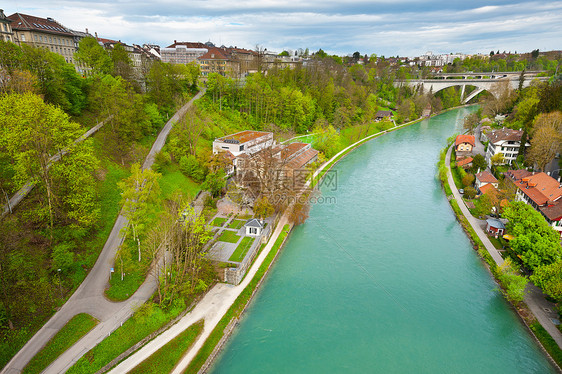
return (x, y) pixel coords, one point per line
(253, 223)
(496, 223)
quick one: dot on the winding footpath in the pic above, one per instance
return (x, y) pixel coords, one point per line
(89, 297)
(534, 298)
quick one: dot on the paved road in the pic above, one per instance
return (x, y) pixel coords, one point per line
(534, 298)
(89, 297)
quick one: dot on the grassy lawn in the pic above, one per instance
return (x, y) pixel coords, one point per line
(242, 249)
(236, 224)
(174, 181)
(229, 237)
(236, 309)
(164, 359)
(145, 321)
(120, 290)
(219, 221)
(495, 242)
(75, 329)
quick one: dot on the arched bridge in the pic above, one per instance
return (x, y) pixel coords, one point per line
(482, 82)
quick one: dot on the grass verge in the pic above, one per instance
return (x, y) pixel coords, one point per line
(120, 290)
(242, 249)
(74, 329)
(164, 359)
(547, 342)
(236, 309)
(148, 319)
(229, 237)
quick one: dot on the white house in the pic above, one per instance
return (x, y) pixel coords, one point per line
(505, 141)
(248, 142)
(483, 178)
(254, 227)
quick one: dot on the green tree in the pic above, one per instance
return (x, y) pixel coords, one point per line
(535, 241)
(514, 284)
(93, 55)
(549, 279)
(31, 132)
(479, 163)
(122, 63)
(497, 159)
(215, 182)
(139, 198)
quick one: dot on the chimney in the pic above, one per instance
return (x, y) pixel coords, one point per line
(87, 31)
(96, 34)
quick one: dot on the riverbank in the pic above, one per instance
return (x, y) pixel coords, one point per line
(493, 259)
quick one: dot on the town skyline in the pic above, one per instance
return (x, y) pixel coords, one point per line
(403, 28)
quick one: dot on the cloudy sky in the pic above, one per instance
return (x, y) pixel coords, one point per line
(384, 27)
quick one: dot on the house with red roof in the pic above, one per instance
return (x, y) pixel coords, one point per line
(464, 143)
(483, 178)
(465, 162)
(542, 192)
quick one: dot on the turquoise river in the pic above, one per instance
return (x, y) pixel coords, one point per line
(382, 279)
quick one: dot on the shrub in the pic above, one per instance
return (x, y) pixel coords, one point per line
(470, 192)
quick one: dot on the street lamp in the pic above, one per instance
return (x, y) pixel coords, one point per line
(60, 284)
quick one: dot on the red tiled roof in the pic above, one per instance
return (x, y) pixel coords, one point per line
(518, 174)
(107, 41)
(486, 177)
(488, 188)
(214, 54)
(26, 22)
(505, 134)
(553, 212)
(290, 149)
(540, 188)
(465, 139)
(244, 136)
(464, 161)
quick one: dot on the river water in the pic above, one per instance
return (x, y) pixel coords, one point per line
(383, 279)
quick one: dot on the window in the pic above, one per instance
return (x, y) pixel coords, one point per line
(50, 39)
(36, 37)
(23, 37)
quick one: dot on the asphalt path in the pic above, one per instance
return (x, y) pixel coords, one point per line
(89, 297)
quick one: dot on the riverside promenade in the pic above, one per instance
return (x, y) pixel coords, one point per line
(534, 298)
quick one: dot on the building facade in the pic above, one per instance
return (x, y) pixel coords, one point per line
(6, 33)
(183, 52)
(44, 33)
(505, 141)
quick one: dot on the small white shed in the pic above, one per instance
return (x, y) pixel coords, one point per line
(253, 227)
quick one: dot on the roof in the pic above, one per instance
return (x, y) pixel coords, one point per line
(540, 187)
(26, 22)
(289, 150)
(465, 139)
(302, 159)
(486, 177)
(518, 174)
(214, 54)
(505, 134)
(553, 212)
(464, 161)
(188, 45)
(383, 113)
(495, 223)
(488, 189)
(243, 136)
(253, 222)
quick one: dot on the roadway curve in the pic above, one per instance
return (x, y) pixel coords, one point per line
(89, 297)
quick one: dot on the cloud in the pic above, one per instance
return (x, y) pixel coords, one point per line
(385, 27)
